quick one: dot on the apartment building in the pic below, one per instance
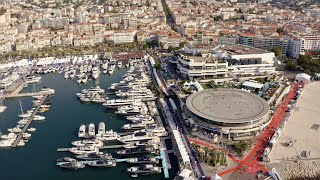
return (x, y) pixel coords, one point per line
(300, 44)
(227, 40)
(124, 36)
(227, 61)
(262, 42)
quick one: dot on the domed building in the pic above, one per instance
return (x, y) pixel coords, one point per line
(228, 111)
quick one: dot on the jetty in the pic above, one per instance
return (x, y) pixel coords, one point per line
(29, 121)
(25, 94)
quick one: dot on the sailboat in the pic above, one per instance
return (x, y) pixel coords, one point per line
(23, 115)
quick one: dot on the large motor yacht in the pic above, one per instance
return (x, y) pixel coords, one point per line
(137, 136)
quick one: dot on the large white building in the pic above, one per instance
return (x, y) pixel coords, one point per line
(124, 36)
(227, 61)
(299, 45)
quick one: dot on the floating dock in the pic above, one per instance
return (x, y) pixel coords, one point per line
(29, 121)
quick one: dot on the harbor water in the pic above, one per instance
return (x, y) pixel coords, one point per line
(37, 159)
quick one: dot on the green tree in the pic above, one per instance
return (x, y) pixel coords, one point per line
(157, 65)
(304, 59)
(278, 51)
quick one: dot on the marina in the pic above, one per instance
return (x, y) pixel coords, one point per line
(68, 120)
(143, 137)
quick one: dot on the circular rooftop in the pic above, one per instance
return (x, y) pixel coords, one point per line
(228, 106)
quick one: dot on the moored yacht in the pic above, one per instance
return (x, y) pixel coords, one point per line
(143, 160)
(144, 170)
(137, 150)
(101, 129)
(91, 130)
(114, 103)
(82, 131)
(137, 136)
(72, 165)
(84, 150)
(94, 156)
(84, 79)
(103, 163)
(87, 142)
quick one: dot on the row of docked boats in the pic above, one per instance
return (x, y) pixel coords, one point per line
(7, 140)
(139, 143)
(91, 69)
(143, 135)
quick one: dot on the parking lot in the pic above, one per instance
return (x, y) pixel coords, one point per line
(302, 128)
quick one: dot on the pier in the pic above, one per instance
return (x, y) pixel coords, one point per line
(29, 121)
(25, 94)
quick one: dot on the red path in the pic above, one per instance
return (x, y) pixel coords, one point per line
(250, 162)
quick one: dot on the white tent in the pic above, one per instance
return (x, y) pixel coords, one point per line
(216, 177)
(186, 174)
(303, 77)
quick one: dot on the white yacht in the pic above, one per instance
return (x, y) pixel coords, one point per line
(108, 136)
(31, 129)
(86, 142)
(95, 72)
(21, 143)
(72, 74)
(23, 115)
(32, 79)
(111, 68)
(105, 65)
(119, 64)
(137, 136)
(8, 136)
(158, 131)
(84, 150)
(134, 126)
(101, 129)
(96, 89)
(47, 90)
(84, 79)
(138, 117)
(66, 75)
(2, 108)
(39, 118)
(23, 121)
(91, 130)
(82, 131)
(15, 130)
(131, 110)
(79, 78)
(114, 103)
(6, 143)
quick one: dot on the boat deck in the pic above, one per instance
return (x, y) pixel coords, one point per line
(29, 121)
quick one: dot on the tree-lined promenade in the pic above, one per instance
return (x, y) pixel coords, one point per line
(58, 51)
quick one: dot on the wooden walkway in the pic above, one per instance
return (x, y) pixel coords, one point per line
(25, 94)
(29, 121)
